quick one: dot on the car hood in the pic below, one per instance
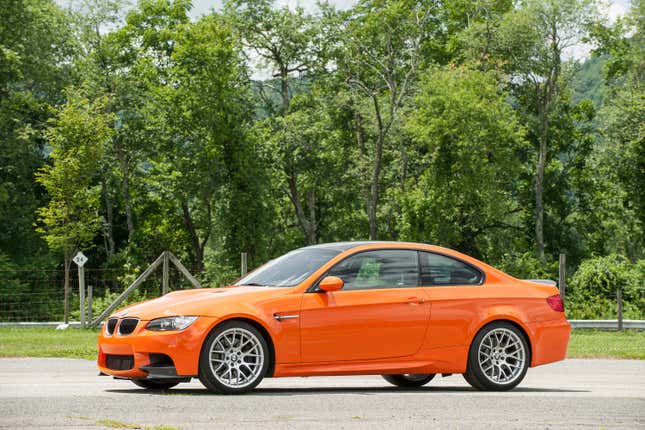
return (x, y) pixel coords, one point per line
(201, 302)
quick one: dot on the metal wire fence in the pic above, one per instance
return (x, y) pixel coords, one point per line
(39, 295)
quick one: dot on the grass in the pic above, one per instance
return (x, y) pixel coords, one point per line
(114, 424)
(47, 342)
(76, 343)
(607, 344)
(121, 425)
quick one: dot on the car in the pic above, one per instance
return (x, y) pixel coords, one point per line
(406, 311)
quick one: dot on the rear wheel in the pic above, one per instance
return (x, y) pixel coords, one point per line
(409, 380)
(234, 358)
(154, 385)
(499, 357)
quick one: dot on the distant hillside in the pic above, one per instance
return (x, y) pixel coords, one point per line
(587, 81)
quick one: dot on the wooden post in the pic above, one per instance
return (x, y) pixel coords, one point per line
(68, 263)
(619, 299)
(562, 272)
(81, 293)
(89, 303)
(183, 270)
(164, 283)
(243, 271)
(163, 258)
(129, 290)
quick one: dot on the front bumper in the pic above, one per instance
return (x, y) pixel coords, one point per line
(135, 356)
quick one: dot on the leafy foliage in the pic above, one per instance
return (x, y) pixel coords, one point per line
(467, 138)
(76, 139)
(595, 283)
(260, 128)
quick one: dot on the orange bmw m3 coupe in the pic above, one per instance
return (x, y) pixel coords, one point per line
(406, 311)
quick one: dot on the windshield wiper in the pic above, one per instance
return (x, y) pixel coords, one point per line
(254, 284)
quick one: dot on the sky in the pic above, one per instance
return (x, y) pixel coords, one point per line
(203, 6)
(611, 8)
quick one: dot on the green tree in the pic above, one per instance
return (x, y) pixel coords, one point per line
(35, 49)
(76, 139)
(623, 124)
(211, 153)
(533, 40)
(460, 192)
(287, 44)
(283, 40)
(302, 148)
(382, 47)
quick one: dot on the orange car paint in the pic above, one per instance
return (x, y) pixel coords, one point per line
(425, 329)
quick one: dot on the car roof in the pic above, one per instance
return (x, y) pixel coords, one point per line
(343, 246)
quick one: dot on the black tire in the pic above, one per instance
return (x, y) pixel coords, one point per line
(495, 365)
(207, 372)
(154, 385)
(409, 380)
(472, 382)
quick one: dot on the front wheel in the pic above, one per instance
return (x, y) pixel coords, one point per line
(153, 385)
(234, 358)
(498, 359)
(410, 380)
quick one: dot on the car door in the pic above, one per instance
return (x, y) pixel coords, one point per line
(454, 288)
(379, 313)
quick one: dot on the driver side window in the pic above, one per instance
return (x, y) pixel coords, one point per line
(378, 269)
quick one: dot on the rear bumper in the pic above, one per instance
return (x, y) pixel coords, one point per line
(550, 341)
(182, 347)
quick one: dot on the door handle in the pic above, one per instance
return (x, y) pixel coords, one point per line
(415, 301)
(281, 317)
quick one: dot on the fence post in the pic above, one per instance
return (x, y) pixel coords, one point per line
(89, 303)
(142, 277)
(81, 293)
(243, 271)
(165, 277)
(67, 287)
(619, 299)
(562, 273)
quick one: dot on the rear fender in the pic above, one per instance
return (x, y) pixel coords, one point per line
(504, 313)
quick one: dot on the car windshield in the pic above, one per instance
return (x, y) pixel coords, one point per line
(290, 269)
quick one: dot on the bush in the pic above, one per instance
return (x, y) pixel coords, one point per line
(592, 289)
(526, 266)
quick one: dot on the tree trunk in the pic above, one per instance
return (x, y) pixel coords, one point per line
(539, 189)
(128, 205)
(308, 227)
(284, 88)
(544, 112)
(311, 231)
(67, 263)
(108, 231)
(376, 173)
(198, 247)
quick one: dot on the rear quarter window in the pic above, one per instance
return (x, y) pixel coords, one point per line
(437, 269)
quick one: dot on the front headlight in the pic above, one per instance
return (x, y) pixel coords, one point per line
(170, 323)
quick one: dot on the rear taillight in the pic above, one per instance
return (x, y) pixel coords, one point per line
(556, 303)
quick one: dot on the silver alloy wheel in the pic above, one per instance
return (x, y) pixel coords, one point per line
(236, 358)
(501, 356)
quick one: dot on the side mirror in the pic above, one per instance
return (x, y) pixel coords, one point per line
(331, 283)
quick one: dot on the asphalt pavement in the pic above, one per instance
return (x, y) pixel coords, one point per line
(55, 393)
